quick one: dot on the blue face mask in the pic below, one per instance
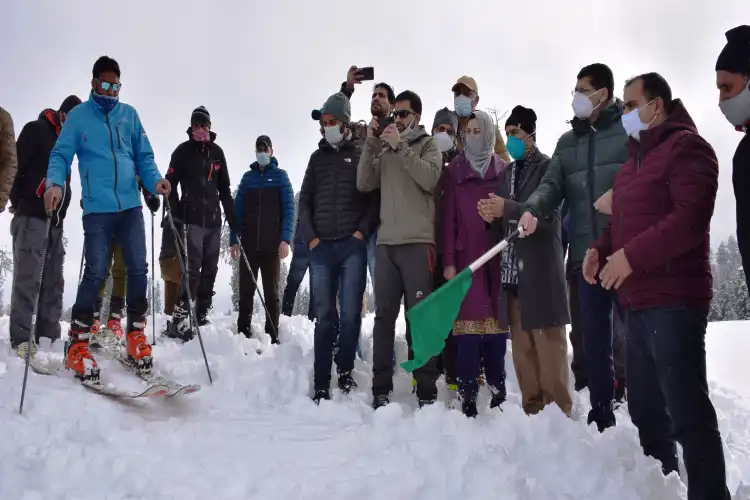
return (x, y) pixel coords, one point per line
(263, 159)
(462, 106)
(516, 147)
(106, 102)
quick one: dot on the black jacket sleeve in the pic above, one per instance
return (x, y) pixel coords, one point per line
(174, 176)
(26, 151)
(371, 217)
(225, 192)
(305, 225)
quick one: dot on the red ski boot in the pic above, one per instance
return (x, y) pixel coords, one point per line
(138, 348)
(77, 355)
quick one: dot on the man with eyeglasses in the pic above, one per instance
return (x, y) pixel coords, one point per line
(403, 161)
(582, 171)
(113, 151)
(199, 167)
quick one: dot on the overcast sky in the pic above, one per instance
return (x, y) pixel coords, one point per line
(261, 67)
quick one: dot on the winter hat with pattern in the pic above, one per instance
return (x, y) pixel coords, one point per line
(200, 115)
(523, 118)
(735, 57)
(446, 117)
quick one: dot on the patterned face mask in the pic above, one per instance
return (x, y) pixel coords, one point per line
(201, 135)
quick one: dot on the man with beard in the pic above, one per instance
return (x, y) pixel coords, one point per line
(199, 167)
(404, 162)
(733, 81)
(35, 142)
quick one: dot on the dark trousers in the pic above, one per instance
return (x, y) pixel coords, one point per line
(475, 351)
(297, 269)
(578, 364)
(203, 245)
(668, 396)
(126, 228)
(401, 271)
(28, 243)
(269, 266)
(447, 361)
(337, 266)
(596, 311)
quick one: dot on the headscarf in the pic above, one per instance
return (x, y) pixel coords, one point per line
(480, 148)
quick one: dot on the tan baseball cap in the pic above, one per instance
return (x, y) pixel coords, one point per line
(468, 81)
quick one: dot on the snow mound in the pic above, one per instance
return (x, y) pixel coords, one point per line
(255, 434)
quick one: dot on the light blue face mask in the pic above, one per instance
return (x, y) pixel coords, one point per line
(462, 106)
(263, 159)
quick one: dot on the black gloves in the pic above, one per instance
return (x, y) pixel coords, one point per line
(153, 204)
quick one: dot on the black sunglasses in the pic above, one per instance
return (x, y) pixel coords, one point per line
(402, 113)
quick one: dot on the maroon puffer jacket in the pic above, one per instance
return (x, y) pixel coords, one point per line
(662, 205)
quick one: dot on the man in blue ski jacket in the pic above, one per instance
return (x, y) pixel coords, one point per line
(113, 151)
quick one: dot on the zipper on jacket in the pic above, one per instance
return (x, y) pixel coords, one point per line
(119, 144)
(114, 158)
(260, 207)
(205, 197)
(591, 179)
(88, 185)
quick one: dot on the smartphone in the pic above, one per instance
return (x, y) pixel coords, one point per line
(367, 73)
(384, 122)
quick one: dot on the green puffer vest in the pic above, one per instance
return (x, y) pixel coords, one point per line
(582, 169)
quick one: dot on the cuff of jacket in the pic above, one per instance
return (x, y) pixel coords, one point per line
(512, 211)
(449, 259)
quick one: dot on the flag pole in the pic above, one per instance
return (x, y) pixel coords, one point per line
(495, 250)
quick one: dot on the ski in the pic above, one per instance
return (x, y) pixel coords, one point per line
(116, 351)
(109, 389)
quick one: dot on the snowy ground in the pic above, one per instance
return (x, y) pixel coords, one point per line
(255, 434)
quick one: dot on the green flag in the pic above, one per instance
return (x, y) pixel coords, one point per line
(431, 321)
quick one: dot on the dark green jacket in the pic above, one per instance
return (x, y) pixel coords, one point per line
(582, 169)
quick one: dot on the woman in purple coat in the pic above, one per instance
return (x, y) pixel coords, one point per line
(471, 176)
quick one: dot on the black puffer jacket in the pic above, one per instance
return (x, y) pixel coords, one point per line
(330, 205)
(34, 145)
(741, 182)
(201, 172)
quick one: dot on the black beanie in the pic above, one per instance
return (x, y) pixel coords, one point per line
(69, 103)
(735, 57)
(200, 115)
(523, 118)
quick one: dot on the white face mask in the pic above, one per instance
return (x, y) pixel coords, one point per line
(333, 134)
(737, 109)
(263, 159)
(633, 124)
(582, 105)
(444, 142)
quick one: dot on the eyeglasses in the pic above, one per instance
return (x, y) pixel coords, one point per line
(402, 113)
(107, 86)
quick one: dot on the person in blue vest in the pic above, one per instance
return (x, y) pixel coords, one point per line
(264, 205)
(113, 152)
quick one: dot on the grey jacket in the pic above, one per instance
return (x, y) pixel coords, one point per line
(407, 180)
(541, 278)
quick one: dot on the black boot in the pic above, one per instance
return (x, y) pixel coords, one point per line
(179, 327)
(499, 394)
(346, 382)
(469, 407)
(321, 394)
(203, 308)
(603, 416)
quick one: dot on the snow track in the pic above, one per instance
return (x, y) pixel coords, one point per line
(255, 434)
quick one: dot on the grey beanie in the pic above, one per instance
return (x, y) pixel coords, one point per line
(446, 117)
(337, 105)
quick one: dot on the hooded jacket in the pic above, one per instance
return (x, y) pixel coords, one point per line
(112, 149)
(265, 209)
(34, 145)
(200, 170)
(662, 204)
(408, 180)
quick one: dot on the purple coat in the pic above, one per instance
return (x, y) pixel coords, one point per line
(465, 237)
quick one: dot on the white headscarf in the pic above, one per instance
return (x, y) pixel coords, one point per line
(480, 148)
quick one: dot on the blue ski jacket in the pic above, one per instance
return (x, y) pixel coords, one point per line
(112, 149)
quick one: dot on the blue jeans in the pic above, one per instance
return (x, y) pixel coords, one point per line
(668, 395)
(596, 314)
(128, 231)
(337, 264)
(297, 269)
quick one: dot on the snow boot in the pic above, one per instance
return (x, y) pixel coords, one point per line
(454, 399)
(346, 382)
(137, 347)
(469, 407)
(179, 327)
(321, 394)
(202, 309)
(499, 395)
(23, 347)
(245, 330)
(380, 400)
(77, 355)
(426, 402)
(603, 416)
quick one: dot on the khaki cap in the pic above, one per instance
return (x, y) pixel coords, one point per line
(468, 81)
